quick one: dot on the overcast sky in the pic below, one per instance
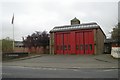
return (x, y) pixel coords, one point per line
(39, 15)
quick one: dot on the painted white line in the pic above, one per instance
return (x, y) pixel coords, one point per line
(6, 74)
(110, 70)
(24, 67)
(76, 70)
(76, 67)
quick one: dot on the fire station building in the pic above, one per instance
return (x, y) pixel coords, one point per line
(86, 38)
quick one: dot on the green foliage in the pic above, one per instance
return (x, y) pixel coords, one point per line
(37, 39)
(116, 32)
(7, 45)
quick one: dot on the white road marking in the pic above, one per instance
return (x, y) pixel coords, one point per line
(76, 70)
(43, 68)
(6, 73)
(110, 70)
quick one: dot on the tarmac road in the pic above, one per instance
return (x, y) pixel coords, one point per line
(62, 66)
(67, 61)
(30, 72)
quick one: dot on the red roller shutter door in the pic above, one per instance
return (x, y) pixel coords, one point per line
(57, 43)
(77, 42)
(91, 42)
(61, 43)
(86, 42)
(55, 40)
(81, 43)
(65, 43)
(68, 43)
(72, 42)
(79, 39)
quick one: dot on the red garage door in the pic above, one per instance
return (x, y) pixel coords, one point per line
(58, 43)
(79, 43)
(66, 43)
(84, 42)
(77, 39)
(91, 42)
(62, 43)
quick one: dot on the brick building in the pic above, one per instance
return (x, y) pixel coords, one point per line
(87, 38)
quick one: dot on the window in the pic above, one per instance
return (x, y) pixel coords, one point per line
(86, 47)
(77, 47)
(81, 47)
(65, 47)
(90, 46)
(69, 47)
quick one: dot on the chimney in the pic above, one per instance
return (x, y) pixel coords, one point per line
(75, 21)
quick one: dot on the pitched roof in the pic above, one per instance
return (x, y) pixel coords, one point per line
(75, 27)
(75, 19)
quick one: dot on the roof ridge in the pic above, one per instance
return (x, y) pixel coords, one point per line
(76, 25)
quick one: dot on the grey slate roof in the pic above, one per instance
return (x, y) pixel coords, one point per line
(75, 27)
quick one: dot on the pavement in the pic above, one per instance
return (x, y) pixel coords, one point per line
(65, 61)
(23, 58)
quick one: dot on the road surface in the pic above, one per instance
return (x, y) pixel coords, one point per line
(32, 72)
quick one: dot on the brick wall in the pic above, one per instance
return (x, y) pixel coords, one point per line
(38, 50)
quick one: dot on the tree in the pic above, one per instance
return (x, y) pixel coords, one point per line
(7, 45)
(37, 39)
(116, 32)
(44, 39)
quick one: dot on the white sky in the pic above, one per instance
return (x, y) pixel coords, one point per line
(39, 15)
